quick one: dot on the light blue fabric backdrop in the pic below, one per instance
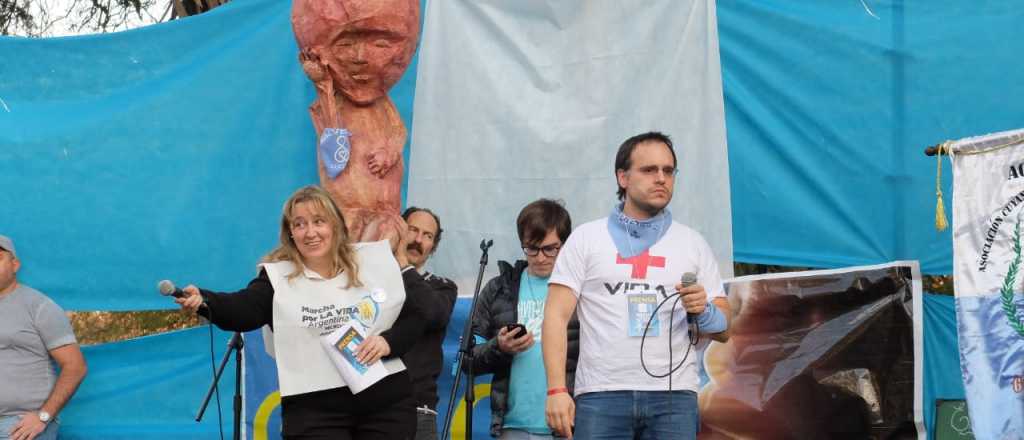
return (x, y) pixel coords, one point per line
(166, 152)
(151, 388)
(829, 106)
(162, 152)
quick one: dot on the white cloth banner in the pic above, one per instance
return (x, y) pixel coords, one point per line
(988, 207)
(518, 100)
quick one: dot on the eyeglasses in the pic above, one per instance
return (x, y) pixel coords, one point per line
(550, 250)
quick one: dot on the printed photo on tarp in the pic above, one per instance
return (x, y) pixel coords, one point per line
(817, 355)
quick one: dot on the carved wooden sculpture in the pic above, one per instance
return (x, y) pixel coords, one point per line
(354, 51)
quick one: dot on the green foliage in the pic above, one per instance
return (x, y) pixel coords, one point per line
(101, 327)
(1006, 293)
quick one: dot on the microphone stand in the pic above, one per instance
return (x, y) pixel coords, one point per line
(466, 355)
(234, 345)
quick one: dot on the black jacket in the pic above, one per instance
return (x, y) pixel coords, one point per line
(425, 359)
(496, 307)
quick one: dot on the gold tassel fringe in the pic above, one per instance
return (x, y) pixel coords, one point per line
(940, 209)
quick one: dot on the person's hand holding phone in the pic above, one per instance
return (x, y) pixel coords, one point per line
(514, 338)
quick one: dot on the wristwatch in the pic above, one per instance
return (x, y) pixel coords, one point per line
(44, 416)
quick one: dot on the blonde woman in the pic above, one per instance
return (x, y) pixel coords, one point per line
(314, 282)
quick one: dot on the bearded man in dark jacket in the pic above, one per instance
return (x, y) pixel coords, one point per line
(513, 353)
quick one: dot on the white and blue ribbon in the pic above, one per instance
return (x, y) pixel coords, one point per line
(334, 150)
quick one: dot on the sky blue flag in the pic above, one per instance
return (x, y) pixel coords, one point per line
(992, 364)
(987, 217)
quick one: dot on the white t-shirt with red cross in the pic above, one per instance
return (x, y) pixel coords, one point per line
(616, 297)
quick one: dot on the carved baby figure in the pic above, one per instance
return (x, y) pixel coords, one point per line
(354, 51)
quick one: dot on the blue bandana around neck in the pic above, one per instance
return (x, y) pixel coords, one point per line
(631, 236)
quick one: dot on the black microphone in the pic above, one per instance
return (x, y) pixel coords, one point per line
(688, 279)
(167, 288)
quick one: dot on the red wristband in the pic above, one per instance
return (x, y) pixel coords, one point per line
(559, 390)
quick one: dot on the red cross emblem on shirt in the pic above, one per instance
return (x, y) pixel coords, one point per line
(640, 263)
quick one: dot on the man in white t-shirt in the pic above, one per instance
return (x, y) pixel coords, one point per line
(637, 371)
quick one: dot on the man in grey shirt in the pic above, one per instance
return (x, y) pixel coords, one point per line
(34, 333)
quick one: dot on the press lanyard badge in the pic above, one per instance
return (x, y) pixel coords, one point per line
(641, 306)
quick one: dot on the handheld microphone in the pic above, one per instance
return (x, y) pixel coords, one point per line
(167, 288)
(688, 279)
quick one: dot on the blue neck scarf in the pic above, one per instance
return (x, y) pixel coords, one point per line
(631, 236)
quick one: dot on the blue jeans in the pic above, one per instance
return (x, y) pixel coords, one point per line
(637, 415)
(7, 423)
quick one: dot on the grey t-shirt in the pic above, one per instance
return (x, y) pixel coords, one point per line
(30, 326)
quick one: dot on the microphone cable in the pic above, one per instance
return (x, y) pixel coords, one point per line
(213, 369)
(695, 337)
(166, 288)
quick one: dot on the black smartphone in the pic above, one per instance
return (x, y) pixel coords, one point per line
(516, 330)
